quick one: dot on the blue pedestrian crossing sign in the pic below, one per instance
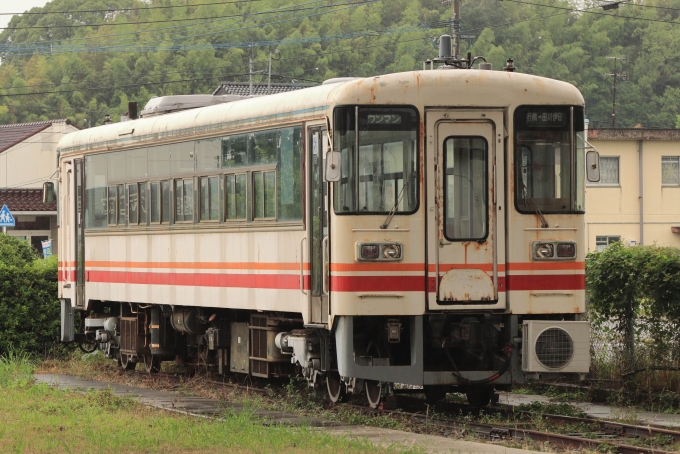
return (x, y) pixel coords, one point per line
(6, 218)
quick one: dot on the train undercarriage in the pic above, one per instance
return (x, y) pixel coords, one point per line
(468, 353)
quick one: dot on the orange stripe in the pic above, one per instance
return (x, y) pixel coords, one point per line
(201, 265)
(378, 266)
(545, 266)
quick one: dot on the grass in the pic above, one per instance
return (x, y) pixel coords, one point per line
(40, 418)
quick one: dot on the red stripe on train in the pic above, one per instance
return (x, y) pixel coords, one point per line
(338, 283)
(269, 281)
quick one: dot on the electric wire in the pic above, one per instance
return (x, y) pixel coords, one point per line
(44, 13)
(208, 19)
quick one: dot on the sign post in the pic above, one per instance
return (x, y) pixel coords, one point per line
(6, 219)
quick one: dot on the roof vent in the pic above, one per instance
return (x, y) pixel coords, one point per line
(486, 66)
(167, 104)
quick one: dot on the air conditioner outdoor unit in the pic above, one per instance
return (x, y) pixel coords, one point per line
(555, 346)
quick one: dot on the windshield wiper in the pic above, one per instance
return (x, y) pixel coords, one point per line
(390, 215)
(537, 211)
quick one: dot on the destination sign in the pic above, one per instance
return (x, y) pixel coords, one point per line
(546, 119)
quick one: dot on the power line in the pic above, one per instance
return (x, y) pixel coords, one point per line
(595, 12)
(43, 13)
(209, 19)
(115, 87)
(138, 32)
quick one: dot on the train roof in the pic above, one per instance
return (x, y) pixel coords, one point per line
(432, 88)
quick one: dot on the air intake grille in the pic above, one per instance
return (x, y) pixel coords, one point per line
(554, 348)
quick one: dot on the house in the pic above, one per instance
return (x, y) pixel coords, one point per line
(637, 199)
(28, 157)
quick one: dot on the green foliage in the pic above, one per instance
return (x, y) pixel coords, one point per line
(97, 69)
(29, 308)
(635, 291)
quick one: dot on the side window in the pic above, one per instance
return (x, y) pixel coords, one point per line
(121, 205)
(465, 188)
(155, 200)
(133, 205)
(184, 200)
(113, 205)
(264, 197)
(209, 196)
(235, 197)
(142, 204)
(165, 202)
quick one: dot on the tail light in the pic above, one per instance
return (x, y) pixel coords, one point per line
(566, 250)
(379, 251)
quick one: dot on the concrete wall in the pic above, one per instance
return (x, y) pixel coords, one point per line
(615, 210)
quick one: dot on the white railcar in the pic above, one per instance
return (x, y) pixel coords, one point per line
(447, 251)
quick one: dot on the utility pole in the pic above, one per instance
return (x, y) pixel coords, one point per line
(250, 71)
(456, 29)
(615, 75)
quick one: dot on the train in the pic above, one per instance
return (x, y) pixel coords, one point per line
(421, 228)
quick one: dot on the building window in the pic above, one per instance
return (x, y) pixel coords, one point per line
(601, 242)
(609, 171)
(670, 170)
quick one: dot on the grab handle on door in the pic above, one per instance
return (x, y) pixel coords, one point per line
(302, 261)
(324, 245)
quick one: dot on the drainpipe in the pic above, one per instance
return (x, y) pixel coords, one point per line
(642, 204)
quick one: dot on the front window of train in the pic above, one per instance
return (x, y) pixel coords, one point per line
(383, 174)
(549, 159)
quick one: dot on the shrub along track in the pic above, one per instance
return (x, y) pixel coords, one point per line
(508, 423)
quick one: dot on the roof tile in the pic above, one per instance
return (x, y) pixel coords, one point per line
(25, 200)
(13, 134)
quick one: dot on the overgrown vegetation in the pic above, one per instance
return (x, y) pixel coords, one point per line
(29, 308)
(54, 420)
(634, 306)
(65, 64)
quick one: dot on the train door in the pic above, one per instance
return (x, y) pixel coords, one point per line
(467, 246)
(318, 227)
(79, 223)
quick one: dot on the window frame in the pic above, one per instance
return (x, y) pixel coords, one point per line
(286, 145)
(200, 199)
(670, 185)
(618, 172)
(486, 189)
(262, 170)
(354, 164)
(608, 238)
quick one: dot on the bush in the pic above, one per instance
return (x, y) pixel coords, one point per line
(634, 306)
(29, 308)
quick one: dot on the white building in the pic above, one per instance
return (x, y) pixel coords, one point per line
(28, 157)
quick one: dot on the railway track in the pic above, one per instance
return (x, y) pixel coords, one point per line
(593, 434)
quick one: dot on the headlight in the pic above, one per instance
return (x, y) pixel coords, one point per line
(544, 250)
(391, 251)
(379, 251)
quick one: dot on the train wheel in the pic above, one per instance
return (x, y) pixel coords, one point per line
(373, 392)
(334, 386)
(479, 396)
(88, 347)
(152, 364)
(126, 362)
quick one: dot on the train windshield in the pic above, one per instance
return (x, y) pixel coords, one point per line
(549, 159)
(382, 175)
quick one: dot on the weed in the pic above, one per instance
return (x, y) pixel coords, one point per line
(553, 408)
